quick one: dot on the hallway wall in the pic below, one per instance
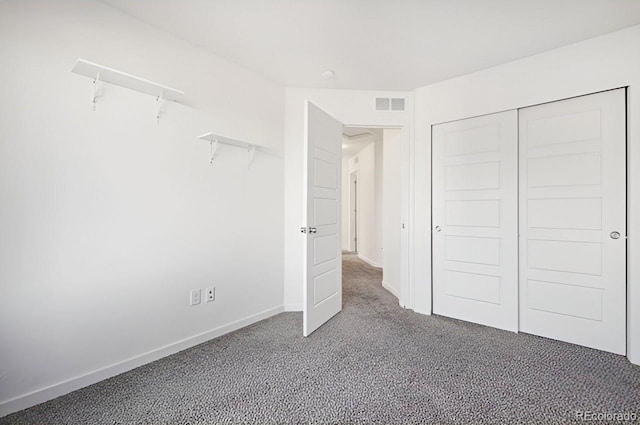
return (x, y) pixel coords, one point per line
(346, 208)
(392, 219)
(369, 167)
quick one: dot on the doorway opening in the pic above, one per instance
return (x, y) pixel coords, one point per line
(324, 197)
(371, 199)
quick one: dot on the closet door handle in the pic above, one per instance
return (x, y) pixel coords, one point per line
(615, 235)
(312, 230)
(438, 229)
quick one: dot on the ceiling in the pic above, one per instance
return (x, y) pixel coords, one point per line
(357, 132)
(356, 138)
(379, 44)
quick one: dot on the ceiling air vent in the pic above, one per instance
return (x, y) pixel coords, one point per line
(382, 104)
(397, 104)
(390, 104)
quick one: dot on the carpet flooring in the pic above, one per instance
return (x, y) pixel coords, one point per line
(373, 363)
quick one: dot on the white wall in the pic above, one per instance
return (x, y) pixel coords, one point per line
(353, 108)
(346, 207)
(369, 198)
(597, 64)
(392, 221)
(378, 201)
(107, 219)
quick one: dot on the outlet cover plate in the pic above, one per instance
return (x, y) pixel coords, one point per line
(210, 294)
(196, 297)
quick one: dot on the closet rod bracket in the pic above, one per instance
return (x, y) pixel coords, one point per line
(213, 144)
(160, 102)
(251, 153)
(94, 99)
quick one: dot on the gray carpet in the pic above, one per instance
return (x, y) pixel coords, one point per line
(373, 363)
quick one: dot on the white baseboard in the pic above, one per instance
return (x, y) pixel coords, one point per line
(56, 390)
(391, 289)
(292, 307)
(369, 261)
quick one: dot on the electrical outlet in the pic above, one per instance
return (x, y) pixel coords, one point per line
(195, 297)
(210, 294)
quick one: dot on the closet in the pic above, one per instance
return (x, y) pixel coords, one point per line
(529, 220)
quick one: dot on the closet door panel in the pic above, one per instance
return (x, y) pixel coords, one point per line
(475, 227)
(572, 199)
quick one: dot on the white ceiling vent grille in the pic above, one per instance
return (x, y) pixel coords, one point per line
(390, 104)
(397, 104)
(382, 103)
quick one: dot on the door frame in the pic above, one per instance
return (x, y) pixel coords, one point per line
(405, 287)
(353, 211)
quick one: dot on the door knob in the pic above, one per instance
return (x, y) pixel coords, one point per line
(438, 229)
(615, 235)
(312, 230)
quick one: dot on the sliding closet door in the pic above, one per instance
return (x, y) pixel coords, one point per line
(475, 227)
(572, 220)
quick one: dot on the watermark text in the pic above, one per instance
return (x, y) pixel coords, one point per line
(587, 415)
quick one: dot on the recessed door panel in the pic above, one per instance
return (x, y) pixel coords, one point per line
(473, 287)
(576, 169)
(551, 297)
(325, 211)
(472, 249)
(325, 174)
(324, 249)
(565, 213)
(485, 175)
(486, 138)
(565, 256)
(567, 128)
(324, 286)
(472, 213)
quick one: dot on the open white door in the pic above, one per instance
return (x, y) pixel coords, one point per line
(322, 293)
(573, 220)
(475, 219)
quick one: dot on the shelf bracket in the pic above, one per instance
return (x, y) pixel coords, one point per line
(214, 149)
(96, 81)
(249, 147)
(102, 75)
(251, 153)
(160, 102)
